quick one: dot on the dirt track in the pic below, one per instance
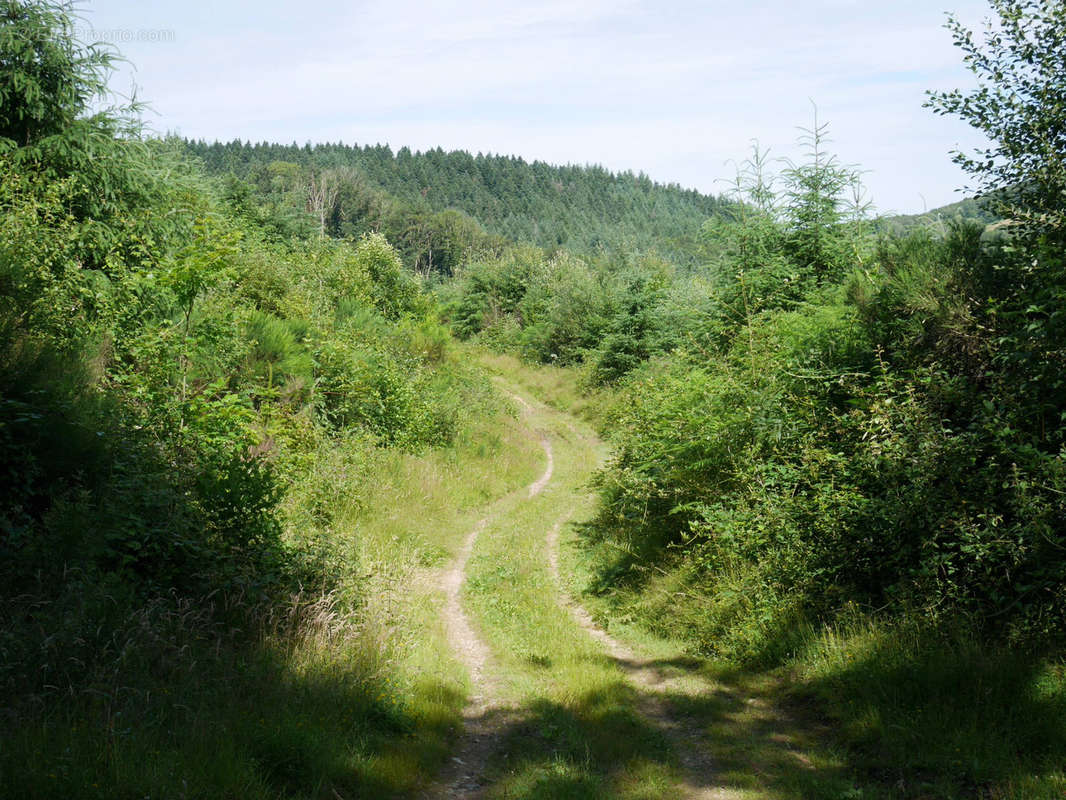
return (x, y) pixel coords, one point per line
(487, 714)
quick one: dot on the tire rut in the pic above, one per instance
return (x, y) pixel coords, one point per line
(683, 734)
(485, 713)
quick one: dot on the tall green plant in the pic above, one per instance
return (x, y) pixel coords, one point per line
(126, 195)
(49, 78)
(816, 209)
(1020, 105)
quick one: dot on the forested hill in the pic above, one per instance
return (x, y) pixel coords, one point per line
(972, 210)
(582, 208)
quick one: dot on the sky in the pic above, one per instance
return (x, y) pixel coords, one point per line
(676, 90)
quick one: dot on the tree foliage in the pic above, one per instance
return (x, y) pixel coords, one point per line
(438, 206)
(1020, 105)
(864, 424)
(157, 342)
(48, 79)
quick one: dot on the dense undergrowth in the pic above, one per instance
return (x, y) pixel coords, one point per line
(204, 427)
(838, 452)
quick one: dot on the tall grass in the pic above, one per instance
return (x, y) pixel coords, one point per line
(945, 713)
(324, 693)
(203, 697)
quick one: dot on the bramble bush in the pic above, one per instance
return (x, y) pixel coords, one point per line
(888, 440)
(176, 376)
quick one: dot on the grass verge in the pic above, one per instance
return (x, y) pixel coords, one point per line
(343, 694)
(906, 711)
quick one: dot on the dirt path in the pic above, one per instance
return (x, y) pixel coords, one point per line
(662, 690)
(463, 777)
(484, 713)
(683, 734)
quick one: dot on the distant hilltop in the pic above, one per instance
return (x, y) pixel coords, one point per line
(584, 209)
(971, 209)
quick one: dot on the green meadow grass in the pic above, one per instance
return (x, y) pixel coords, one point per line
(574, 730)
(350, 694)
(563, 388)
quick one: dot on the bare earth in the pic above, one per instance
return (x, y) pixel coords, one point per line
(486, 715)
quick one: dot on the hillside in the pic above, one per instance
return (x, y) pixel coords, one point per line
(584, 209)
(969, 209)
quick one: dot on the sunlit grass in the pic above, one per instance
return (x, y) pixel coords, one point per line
(576, 731)
(562, 388)
(880, 710)
(946, 711)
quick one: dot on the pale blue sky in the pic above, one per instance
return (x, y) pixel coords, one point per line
(673, 89)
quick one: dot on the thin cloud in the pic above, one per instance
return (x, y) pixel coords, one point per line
(674, 90)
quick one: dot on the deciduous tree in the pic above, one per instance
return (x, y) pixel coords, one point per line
(1020, 105)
